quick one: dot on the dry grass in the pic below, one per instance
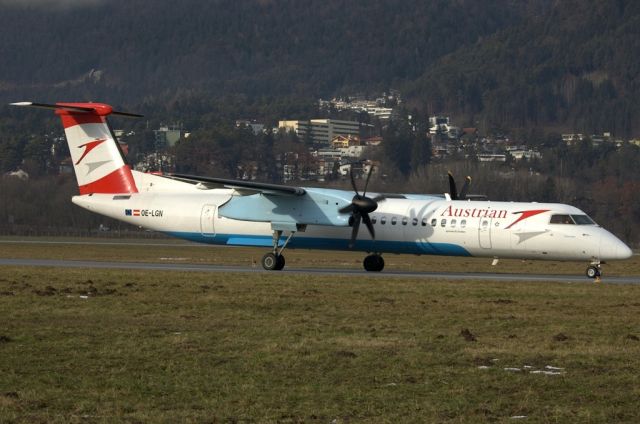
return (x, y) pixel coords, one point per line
(181, 252)
(172, 347)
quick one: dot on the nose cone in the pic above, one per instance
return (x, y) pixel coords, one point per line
(611, 248)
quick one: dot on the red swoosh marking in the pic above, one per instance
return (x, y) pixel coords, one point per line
(525, 215)
(89, 147)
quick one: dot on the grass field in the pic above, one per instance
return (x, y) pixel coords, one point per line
(127, 346)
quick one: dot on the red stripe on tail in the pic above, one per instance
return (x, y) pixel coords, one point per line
(119, 181)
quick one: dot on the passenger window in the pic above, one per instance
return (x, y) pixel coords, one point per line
(415, 221)
(561, 219)
(485, 224)
(463, 223)
(383, 220)
(394, 220)
(373, 220)
(443, 223)
(405, 220)
(434, 222)
(453, 223)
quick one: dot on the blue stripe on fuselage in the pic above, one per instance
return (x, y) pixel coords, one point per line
(381, 246)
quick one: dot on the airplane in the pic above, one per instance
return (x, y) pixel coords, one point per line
(247, 213)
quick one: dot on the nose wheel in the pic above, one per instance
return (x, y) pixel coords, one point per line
(594, 270)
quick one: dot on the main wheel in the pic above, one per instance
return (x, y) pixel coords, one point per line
(270, 262)
(373, 263)
(593, 271)
(279, 262)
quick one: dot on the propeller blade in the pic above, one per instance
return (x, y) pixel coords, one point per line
(452, 187)
(465, 188)
(369, 224)
(366, 184)
(354, 231)
(346, 209)
(353, 182)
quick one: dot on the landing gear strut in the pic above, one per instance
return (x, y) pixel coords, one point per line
(373, 263)
(274, 260)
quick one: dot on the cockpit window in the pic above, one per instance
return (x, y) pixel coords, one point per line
(582, 220)
(571, 219)
(561, 219)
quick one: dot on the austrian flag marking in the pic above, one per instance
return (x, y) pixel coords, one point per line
(156, 213)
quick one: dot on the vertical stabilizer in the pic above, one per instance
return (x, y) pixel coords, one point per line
(97, 160)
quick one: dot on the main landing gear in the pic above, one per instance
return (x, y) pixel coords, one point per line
(373, 263)
(274, 260)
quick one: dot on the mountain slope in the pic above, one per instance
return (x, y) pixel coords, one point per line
(575, 68)
(122, 48)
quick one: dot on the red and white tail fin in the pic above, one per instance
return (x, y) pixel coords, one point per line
(97, 159)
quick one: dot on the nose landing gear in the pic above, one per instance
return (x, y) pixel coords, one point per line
(594, 270)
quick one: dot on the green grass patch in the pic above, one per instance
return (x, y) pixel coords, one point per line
(127, 346)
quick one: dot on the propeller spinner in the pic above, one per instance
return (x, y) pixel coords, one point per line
(360, 208)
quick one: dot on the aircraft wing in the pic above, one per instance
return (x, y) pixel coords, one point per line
(244, 187)
(285, 207)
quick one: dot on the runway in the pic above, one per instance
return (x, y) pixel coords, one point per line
(148, 266)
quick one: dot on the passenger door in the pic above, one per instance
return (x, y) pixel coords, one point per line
(207, 219)
(484, 233)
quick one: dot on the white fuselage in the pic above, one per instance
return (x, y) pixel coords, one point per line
(429, 225)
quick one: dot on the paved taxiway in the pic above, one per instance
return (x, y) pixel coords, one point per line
(147, 266)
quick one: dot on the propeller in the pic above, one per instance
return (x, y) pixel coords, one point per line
(360, 208)
(452, 188)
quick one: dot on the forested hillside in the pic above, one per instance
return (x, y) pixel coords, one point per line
(565, 65)
(135, 50)
(575, 68)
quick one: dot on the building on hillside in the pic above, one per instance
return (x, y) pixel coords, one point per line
(166, 136)
(381, 107)
(321, 131)
(344, 141)
(352, 151)
(156, 162)
(442, 125)
(253, 125)
(492, 157)
(570, 139)
(528, 154)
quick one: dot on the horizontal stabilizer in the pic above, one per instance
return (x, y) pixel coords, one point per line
(99, 108)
